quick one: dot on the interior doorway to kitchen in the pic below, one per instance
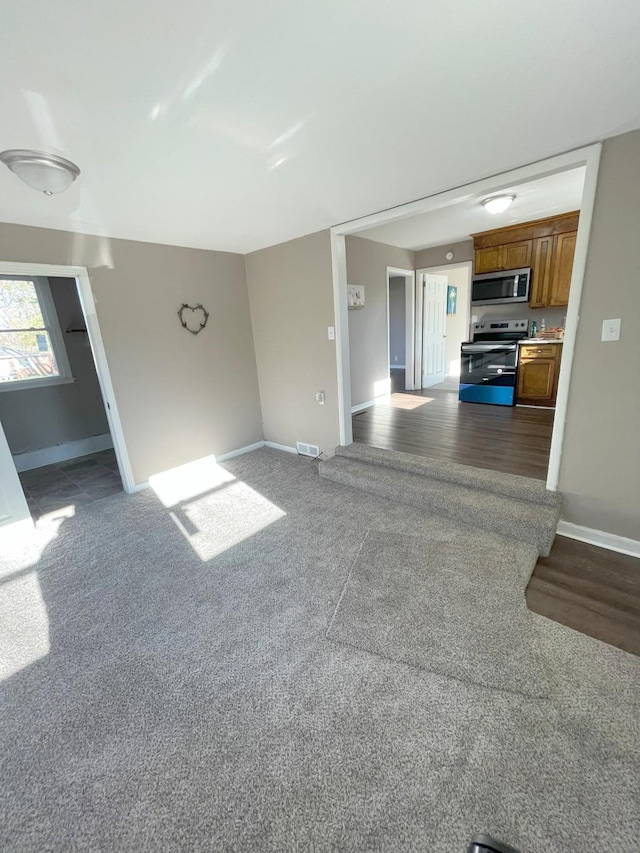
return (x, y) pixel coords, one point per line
(545, 231)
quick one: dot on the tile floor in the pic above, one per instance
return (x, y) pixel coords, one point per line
(76, 481)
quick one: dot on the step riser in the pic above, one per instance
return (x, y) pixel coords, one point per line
(507, 485)
(540, 536)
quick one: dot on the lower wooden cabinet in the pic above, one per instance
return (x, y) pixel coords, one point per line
(538, 371)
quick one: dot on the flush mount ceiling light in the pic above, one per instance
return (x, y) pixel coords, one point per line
(46, 173)
(498, 203)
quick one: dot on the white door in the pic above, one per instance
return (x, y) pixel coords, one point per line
(434, 307)
(13, 506)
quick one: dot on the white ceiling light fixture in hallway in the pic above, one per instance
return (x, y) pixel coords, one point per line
(46, 173)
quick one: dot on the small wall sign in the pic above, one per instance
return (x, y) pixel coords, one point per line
(355, 296)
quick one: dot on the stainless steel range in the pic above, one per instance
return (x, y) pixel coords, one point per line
(488, 363)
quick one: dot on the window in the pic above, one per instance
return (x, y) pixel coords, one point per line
(32, 351)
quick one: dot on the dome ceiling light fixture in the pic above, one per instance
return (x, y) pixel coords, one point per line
(497, 203)
(46, 173)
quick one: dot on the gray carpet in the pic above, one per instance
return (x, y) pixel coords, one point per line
(169, 686)
(452, 603)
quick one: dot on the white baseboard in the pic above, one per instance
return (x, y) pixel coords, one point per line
(284, 447)
(600, 538)
(62, 452)
(138, 487)
(240, 451)
(362, 406)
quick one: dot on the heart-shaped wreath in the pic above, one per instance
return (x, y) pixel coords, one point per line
(190, 315)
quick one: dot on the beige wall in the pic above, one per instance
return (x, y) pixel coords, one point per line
(37, 418)
(291, 296)
(180, 396)
(600, 471)
(367, 263)
(435, 257)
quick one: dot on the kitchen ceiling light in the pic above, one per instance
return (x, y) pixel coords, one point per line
(46, 173)
(498, 203)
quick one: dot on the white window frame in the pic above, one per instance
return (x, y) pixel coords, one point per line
(52, 326)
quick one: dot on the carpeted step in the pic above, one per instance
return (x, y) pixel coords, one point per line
(522, 520)
(510, 485)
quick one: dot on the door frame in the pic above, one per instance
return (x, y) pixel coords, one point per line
(440, 268)
(409, 322)
(589, 158)
(87, 302)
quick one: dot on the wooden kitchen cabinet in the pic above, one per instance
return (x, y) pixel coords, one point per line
(563, 251)
(538, 371)
(542, 272)
(551, 270)
(545, 245)
(512, 256)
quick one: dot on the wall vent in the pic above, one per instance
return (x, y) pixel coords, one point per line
(307, 449)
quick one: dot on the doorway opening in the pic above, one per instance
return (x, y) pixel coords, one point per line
(400, 328)
(450, 313)
(548, 235)
(60, 436)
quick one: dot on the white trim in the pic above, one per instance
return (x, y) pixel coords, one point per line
(601, 538)
(398, 367)
(573, 315)
(240, 451)
(60, 452)
(43, 382)
(588, 157)
(284, 447)
(341, 319)
(409, 301)
(139, 487)
(360, 407)
(81, 275)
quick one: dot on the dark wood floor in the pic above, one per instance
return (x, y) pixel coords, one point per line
(592, 590)
(433, 422)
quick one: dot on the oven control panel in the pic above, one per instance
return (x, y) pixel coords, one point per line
(485, 327)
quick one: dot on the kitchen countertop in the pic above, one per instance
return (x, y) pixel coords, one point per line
(540, 341)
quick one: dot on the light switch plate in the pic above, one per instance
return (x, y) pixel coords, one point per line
(331, 333)
(611, 330)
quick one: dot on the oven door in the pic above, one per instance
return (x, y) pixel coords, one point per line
(488, 373)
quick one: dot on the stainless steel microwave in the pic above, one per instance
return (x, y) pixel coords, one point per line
(499, 287)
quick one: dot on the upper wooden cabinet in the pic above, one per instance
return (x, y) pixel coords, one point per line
(511, 256)
(545, 245)
(564, 248)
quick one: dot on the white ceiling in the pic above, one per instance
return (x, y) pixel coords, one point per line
(239, 125)
(546, 196)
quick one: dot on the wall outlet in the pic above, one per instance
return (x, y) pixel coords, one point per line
(395, 358)
(331, 333)
(611, 330)
(320, 398)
